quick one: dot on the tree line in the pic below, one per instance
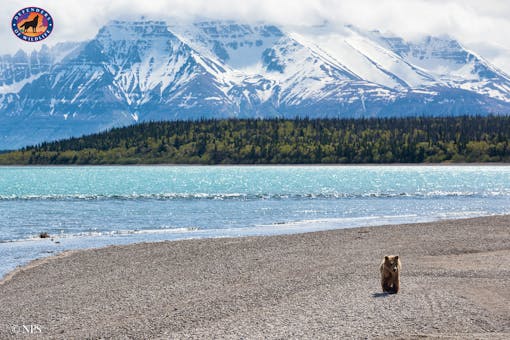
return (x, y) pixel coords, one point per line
(284, 141)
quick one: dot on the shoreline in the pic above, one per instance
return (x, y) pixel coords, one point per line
(317, 284)
(36, 262)
(42, 249)
(54, 256)
(461, 164)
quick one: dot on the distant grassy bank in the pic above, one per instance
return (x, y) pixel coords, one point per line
(278, 141)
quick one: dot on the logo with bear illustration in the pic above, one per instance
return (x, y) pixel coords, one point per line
(32, 24)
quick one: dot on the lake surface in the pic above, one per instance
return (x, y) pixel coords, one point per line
(83, 207)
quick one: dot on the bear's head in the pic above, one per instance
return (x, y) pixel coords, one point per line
(391, 262)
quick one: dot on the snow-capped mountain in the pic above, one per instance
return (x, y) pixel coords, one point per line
(148, 70)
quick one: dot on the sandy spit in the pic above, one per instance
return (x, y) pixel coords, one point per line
(455, 285)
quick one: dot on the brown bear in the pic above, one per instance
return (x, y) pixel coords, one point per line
(390, 274)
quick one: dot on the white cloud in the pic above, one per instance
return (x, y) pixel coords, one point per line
(481, 25)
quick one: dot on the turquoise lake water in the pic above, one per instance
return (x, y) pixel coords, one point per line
(83, 207)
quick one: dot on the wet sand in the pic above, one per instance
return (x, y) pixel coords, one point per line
(455, 284)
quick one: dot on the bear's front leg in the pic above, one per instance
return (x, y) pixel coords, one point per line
(386, 287)
(396, 286)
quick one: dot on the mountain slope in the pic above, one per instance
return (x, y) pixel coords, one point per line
(147, 70)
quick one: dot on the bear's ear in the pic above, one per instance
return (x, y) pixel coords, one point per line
(396, 257)
(386, 258)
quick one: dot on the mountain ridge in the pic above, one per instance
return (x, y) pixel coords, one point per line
(135, 71)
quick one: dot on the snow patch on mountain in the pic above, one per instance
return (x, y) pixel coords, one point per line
(17, 86)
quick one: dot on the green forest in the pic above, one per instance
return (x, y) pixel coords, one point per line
(283, 141)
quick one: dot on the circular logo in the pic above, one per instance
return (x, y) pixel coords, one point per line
(32, 24)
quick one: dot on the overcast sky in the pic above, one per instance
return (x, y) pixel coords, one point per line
(481, 25)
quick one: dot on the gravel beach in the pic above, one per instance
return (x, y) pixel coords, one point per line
(455, 283)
